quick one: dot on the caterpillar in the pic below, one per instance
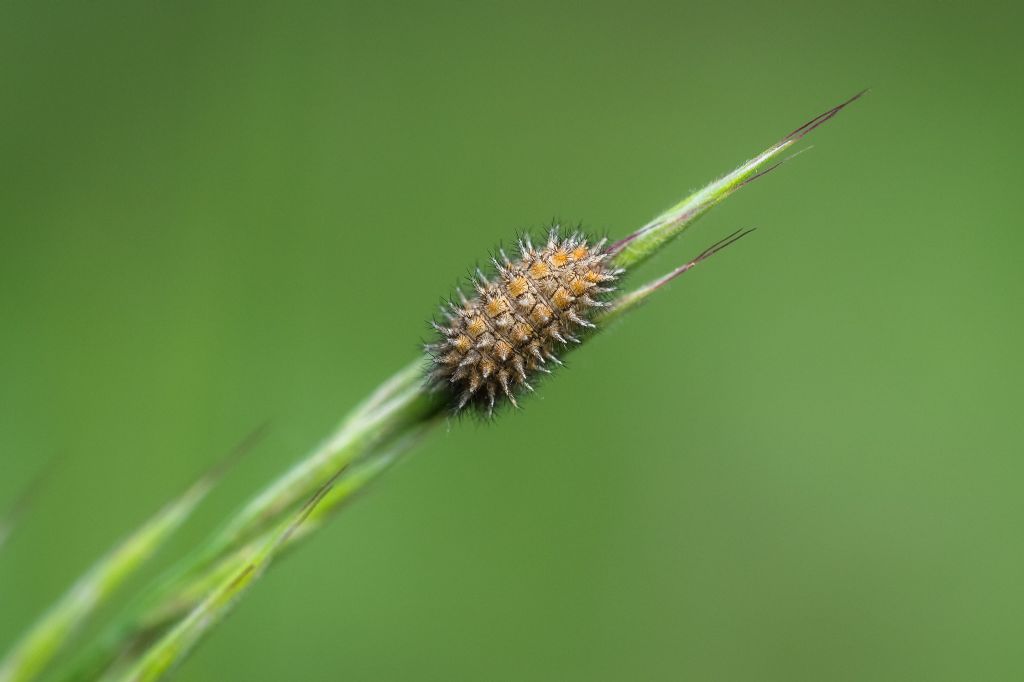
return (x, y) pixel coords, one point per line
(492, 344)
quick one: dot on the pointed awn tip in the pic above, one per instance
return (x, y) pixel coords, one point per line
(822, 118)
(655, 234)
(703, 256)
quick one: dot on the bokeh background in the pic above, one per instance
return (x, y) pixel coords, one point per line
(803, 461)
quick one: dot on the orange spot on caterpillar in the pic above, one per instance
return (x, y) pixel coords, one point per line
(517, 287)
(541, 314)
(578, 286)
(476, 326)
(522, 332)
(502, 350)
(562, 298)
(495, 307)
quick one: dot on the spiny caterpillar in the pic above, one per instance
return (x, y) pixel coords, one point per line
(496, 341)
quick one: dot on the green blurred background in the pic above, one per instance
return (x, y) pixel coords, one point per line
(803, 461)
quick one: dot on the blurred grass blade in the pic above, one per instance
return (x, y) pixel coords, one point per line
(175, 646)
(53, 631)
(645, 242)
(22, 502)
(354, 481)
(408, 377)
(399, 406)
